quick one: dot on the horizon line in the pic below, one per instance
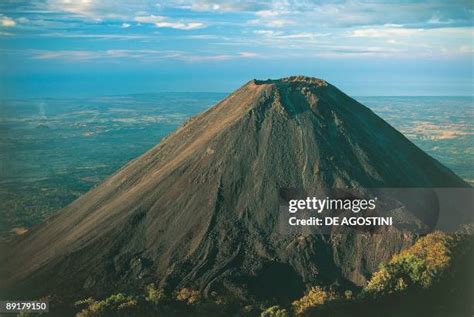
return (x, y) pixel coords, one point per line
(196, 92)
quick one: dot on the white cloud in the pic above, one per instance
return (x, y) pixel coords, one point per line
(249, 54)
(98, 10)
(149, 19)
(83, 7)
(7, 22)
(384, 32)
(268, 33)
(299, 36)
(68, 55)
(272, 18)
(180, 25)
(278, 27)
(268, 13)
(278, 23)
(141, 55)
(204, 37)
(95, 36)
(340, 13)
(279, 35)
(216, 57)
(272, 23)
(221, 5)
(103, 55)
(163, 22)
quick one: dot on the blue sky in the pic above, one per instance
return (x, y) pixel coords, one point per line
(57, 48)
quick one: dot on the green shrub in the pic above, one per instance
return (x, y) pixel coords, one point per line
(348, 295)
(416, 267)
(274, 311)
(314, 297)
(188, 295)
(154, 295)
(402, 272)
(113, 304)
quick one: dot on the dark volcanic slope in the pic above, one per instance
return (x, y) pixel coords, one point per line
(200, 208)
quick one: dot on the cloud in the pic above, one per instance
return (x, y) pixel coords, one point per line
(268, 33)
(280, 35)
(272, 18)
(98, 10)
(304, 35)
(7, 22)
(141, 55)
(384, 32)
(332, 13)
(180, 25)
(204, 37)
(163, 22)
(102, 55)
(75, 35)
(269, 13)
(67, 55)
(82, 7)
(216, 57)
(221, 5)
(272, 22)
(249, 54)
(365, 13)
(276, 28)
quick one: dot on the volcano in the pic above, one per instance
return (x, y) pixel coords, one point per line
(201, 208)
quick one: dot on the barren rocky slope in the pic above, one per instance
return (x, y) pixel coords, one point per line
(201, 208)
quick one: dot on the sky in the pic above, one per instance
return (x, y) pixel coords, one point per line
(67, 48)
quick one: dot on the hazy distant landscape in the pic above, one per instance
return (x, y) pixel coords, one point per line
(54, 150)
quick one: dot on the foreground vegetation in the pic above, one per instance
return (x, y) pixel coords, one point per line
(429, 278)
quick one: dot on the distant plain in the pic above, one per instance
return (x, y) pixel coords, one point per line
(54, 150)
